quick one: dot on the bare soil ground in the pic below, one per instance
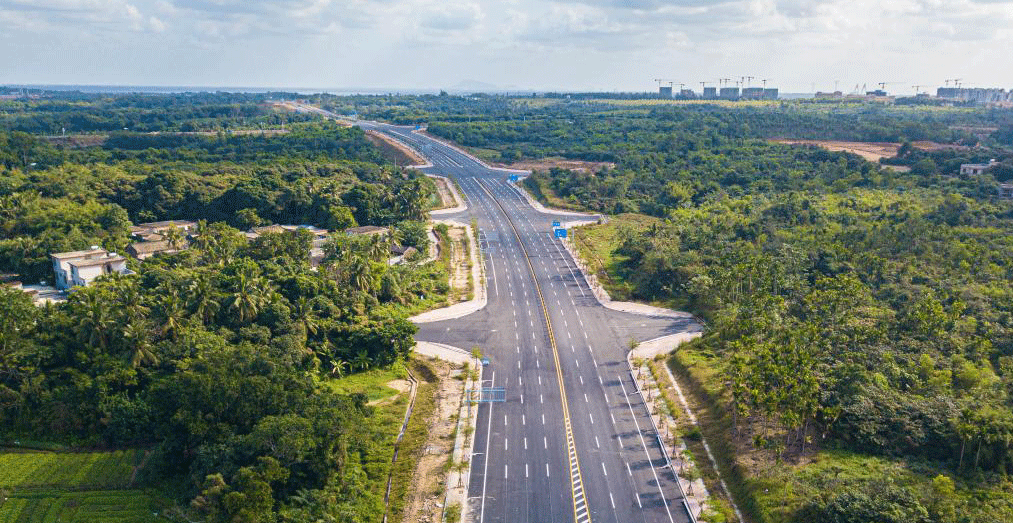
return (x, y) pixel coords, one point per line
(545, 164)
(871, 151)
(460, 279)
(426, 503)
(395, 150)
(446, 197)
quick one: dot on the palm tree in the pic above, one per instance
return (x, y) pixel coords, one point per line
(203, 301)
(95, 321)
(131, 301)
(137, 343)
(394, 238)
(361, 274)
(304, 313)
(338, 368)
(173, 315)
(173, 236)
(362, 360)
(378, 249)
(248, 298)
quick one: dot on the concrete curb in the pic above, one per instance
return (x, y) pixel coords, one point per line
(654, 425)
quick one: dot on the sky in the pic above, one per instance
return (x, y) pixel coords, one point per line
(575, 45)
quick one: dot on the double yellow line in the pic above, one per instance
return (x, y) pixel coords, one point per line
(576, 484)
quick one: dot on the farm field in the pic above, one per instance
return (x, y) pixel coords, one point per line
(54, 505)
(72, 487)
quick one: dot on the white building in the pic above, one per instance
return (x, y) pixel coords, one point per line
(974, 169)
(1005, 191)
(82, 267)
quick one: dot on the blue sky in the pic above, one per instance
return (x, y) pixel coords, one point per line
(535, 44)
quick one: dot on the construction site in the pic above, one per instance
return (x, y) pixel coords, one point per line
(743, 88)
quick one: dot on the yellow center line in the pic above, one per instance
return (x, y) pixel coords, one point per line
(570, 444)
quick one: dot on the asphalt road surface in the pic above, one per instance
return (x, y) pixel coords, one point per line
(573, 441)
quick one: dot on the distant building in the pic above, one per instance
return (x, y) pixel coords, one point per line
(770, 94)
(40, 294)
(79, 268)
(978, 94)
(729, 93)
(320, 237)
(366, 230)
(154, 231)
(710, 92)
(687, 94)
(665, 91)
(1005, 191)
(877, 92)
(752, 93)
(829, 96)
(974, 169)
(144, 250)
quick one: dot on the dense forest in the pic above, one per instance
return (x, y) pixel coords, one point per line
(216, 359)
(853, 312)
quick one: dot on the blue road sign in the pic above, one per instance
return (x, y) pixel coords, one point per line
(559, 233)
(555, 224)
(514, 177)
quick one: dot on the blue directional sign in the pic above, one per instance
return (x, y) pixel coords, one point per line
(514, 177)
(555, 224)
(559, 233)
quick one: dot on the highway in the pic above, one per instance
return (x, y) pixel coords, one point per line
(573, 441)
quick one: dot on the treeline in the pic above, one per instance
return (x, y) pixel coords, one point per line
(143, 113)
(597, 133)
(93, 199)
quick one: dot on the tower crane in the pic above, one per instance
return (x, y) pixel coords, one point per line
(765, 80)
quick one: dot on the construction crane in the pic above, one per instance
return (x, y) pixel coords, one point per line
(765, 80)
(749, 79)
(918, 89)
(724, 81)
(661, 80)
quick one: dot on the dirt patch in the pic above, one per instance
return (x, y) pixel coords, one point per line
(446, 196)
(545, 164)
(460, 262)
(395, 150)
(425, 504)
(871, 151)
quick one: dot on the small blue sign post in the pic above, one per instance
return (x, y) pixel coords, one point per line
(559, 233)
(555, 224)
(514, 177)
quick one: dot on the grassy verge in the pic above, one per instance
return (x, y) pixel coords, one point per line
(597, 245)
(372, 383)
(415, 437)
(546, 196)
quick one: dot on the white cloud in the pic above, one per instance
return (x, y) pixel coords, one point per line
(560, 43)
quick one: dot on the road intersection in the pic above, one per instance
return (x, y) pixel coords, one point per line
(573, 440)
